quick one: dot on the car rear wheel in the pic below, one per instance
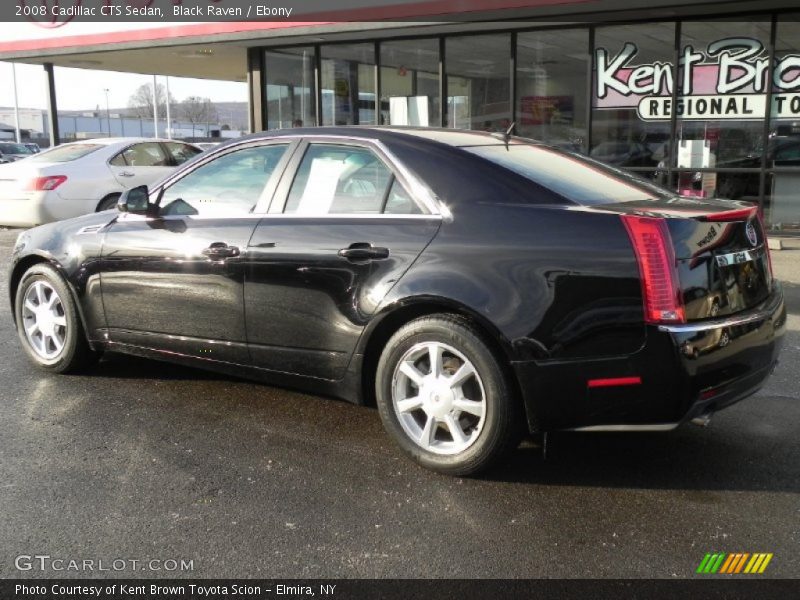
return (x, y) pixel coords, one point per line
(444, 397)
(48, 323)
(108, 202)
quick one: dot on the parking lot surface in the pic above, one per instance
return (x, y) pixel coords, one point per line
(141, 460)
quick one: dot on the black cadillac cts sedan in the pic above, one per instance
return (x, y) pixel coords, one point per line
(474, 287)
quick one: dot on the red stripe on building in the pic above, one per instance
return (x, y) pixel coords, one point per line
(431, 8)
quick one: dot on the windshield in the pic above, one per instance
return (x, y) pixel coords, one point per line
(576, 178)
(15, 149)
(66, 153)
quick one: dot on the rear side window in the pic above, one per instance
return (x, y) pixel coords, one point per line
(65, 153)
(182, 152)
(149, 154)
(343, 180)
(569, 175)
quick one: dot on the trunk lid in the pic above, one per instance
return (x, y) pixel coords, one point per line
(720, 250)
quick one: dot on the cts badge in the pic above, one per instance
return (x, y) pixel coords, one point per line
(751, 234)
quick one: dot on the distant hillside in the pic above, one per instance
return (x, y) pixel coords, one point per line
(233, 114)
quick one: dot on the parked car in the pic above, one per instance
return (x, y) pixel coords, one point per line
(12, 151)
(82, 177)
(33, 147)
(474, 287)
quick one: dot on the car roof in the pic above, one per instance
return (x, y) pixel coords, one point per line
(123, 140)
(449, 137)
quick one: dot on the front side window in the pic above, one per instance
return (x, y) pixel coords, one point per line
(230, 185)
(345, 180)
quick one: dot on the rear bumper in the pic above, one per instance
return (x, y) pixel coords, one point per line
(684, 371)
(28, 210)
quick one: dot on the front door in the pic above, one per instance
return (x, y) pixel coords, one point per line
(175, 281)
(346, 232)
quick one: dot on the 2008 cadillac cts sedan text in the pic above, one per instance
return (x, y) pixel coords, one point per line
(475, 287)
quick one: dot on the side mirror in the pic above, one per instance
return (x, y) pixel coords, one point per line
(135, 201)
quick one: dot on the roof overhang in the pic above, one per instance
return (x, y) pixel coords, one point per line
(218, 50)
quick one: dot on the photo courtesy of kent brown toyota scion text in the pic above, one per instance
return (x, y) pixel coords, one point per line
(475, 287)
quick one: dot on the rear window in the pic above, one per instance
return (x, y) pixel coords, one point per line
(573, 177)
(65, 153)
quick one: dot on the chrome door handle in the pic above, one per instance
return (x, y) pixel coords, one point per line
(126, 174)
(364, 251)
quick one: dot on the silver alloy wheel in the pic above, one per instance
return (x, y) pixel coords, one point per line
(438, 398)
(44, 320)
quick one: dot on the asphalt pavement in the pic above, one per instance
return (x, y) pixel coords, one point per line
(141, 460)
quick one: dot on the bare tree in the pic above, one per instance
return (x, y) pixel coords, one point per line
(141, 101)
(197, 111)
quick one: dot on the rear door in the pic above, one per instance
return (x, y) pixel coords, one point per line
(342, 230)
(140, 164)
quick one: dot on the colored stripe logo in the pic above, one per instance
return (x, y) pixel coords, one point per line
(734, 563)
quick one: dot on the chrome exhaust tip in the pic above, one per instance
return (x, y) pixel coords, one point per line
(702, 420)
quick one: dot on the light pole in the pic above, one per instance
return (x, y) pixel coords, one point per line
(108, 112)
(17, 133)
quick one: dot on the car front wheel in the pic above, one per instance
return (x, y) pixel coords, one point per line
(444, 397)
(48, 323)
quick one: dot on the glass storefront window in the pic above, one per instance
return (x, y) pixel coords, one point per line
(632, 63)
(552, 71)
(291, 95)
(479, 82)
(782, 201)
(410, 83)
(722, 104)
(348, 84)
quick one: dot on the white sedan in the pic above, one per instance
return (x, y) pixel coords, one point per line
(82, 177)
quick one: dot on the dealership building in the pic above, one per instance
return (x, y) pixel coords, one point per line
(703, 97)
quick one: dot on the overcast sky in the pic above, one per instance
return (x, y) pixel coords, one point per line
(83, 89)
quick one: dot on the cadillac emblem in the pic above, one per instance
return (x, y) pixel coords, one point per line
(751, 234)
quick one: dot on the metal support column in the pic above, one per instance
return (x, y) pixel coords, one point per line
(52, 106)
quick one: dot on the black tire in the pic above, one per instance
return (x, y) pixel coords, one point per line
(503, 424)
(76, 354)
(108, 202)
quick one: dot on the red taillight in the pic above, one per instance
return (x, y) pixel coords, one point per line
(657, 267)
(739, 214)
(45, 184)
